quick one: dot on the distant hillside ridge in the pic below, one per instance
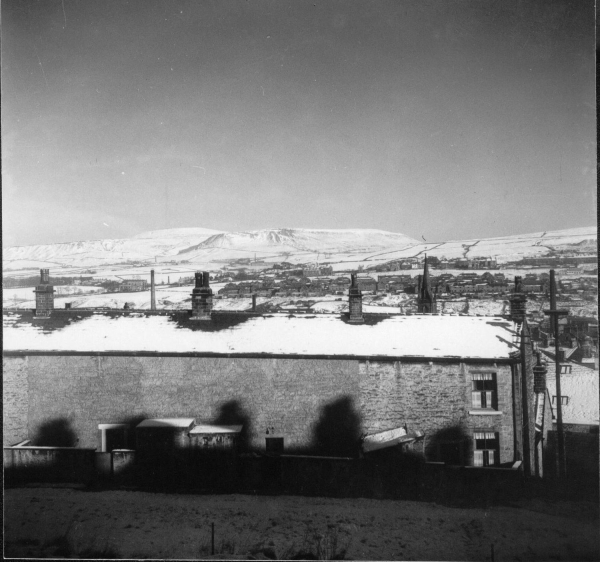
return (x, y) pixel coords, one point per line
(348, 248)
(307, 240)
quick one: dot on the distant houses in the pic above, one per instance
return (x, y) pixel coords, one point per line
(305, 282)
(133, 285)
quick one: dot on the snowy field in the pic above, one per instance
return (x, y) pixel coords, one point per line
(25, 295)
(142, 525)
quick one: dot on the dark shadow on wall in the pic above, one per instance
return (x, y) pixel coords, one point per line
(132, 422)
(233, 413)
(52, 455)
(448, 445)
(56, 433)
(338, 430)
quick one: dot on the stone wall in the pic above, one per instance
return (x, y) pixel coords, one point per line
(306, 401)
(431, 397)
(15, 400)
(288, 395)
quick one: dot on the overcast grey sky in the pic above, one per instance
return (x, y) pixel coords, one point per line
(448, 119)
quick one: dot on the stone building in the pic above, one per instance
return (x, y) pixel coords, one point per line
(318, 382)
(366, 283)
(132, 285)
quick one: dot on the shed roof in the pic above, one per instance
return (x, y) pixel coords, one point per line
(211, 429)
(121, 332)
(177, 423)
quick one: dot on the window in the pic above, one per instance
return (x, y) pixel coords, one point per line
(564, 400)
(485, 448)
(484, 390)
(565, 369)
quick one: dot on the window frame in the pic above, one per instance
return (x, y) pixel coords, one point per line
(486, 396)
(491, 447)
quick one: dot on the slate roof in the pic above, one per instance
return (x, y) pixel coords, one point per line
(121, 332)
(581, 387)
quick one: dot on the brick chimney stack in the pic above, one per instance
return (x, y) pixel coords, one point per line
(355, 302)
(44, 296)
(518, 302)
(202, 297)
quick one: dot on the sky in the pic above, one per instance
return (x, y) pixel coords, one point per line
(438, 119)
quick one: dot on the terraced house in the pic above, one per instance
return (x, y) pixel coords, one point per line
(318, 383)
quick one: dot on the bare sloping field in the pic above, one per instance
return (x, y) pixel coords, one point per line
(65, 522)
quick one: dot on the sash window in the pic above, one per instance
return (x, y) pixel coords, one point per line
(485, 448)
(484, 390)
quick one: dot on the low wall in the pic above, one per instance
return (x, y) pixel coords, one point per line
(48, 464)
(581, 452)
(391, 476)
(406, 478)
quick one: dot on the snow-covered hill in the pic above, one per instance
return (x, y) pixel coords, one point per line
(200, 245)
(504, 248)
(343, 249)
(147, 246)
(277, 241)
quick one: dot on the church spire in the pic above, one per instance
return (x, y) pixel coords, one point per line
(425, 297)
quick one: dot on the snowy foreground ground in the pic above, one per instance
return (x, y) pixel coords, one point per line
(124, 524)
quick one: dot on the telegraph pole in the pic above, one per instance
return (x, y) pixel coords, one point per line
(554, 313)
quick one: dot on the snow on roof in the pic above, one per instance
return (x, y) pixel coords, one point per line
(580, 388)
(181, 423)
(428, 336)
(209, 428)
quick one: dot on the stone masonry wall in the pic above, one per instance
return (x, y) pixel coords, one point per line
(15, 401)
(289, 395)
(432, 397)
(286, 394)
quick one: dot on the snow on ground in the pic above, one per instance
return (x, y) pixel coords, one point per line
(336, 307)
(488, 307)
(178, 526)
(389, 300)
(19, 294)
